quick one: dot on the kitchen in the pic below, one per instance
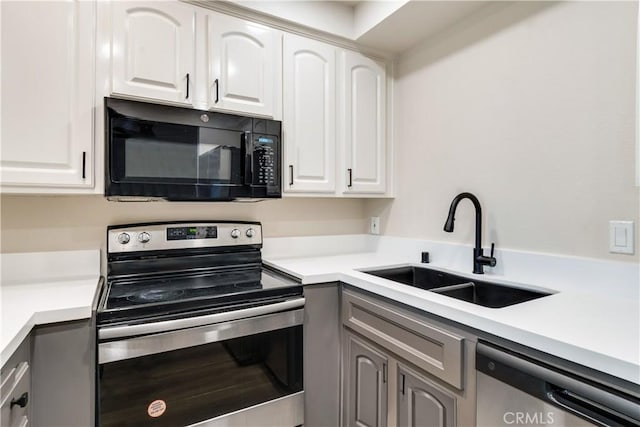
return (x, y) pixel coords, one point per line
(530, 106)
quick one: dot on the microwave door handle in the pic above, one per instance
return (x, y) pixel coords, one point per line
(248, 158)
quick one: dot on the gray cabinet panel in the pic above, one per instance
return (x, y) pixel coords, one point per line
(365, 391)
(430, 365)
(432, 349)
(63, 358)
(322, 355)
(421, 403)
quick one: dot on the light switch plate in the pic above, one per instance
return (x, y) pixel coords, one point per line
(374, 225)
(621, 237)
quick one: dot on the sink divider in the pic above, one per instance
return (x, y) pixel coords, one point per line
(453, 287)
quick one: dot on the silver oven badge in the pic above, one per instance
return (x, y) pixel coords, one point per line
(204, 118)
(156, 408)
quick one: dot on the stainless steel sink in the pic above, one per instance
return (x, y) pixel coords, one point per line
(486, 294)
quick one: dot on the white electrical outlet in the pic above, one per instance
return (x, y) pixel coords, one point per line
(621, 237)
(374, 225)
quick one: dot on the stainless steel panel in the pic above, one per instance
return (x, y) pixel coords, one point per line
(286, 411)
(580, 389)
(436, 351)
(158, 233)
(111, 332)
(499, 404)
(157, 343)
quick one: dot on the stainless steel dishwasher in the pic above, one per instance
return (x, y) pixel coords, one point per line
(517, 390)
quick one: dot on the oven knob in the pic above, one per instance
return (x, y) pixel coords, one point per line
(144, 237)
(250, 233)
(235, 233)
(123, 238)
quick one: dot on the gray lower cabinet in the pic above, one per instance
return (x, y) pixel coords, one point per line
(49, 381)
(366, 387)
(422, 403)
(15, 387)
(402, 368)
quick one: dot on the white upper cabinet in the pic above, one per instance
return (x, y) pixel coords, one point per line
(245, 60)
(47, 96)
(309, 115)
(153, 50)
(364, 126)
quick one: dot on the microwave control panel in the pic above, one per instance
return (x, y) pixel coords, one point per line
(265, 158)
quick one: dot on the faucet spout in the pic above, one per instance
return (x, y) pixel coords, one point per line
(479, 259)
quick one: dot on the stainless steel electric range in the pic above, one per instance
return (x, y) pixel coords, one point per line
(192, 330)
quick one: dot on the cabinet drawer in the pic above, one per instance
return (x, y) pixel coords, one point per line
(436, 351)
(14, 386)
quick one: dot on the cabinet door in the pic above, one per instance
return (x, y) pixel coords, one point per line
(153, 50)
(309, 115)
(364, 129)
(15, 382)
(365, 384)
(47, 94)
(421, 403)
(245, 65)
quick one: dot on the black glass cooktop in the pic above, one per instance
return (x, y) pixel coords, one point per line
(182, 287)
(181, 294)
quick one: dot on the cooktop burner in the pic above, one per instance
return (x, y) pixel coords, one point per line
(155, 295)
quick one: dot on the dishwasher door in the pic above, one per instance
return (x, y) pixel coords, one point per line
(514, 390)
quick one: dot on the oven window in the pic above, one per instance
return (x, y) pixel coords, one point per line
(198, 383)
(146, 151)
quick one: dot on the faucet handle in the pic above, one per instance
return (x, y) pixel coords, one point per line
(492, 259)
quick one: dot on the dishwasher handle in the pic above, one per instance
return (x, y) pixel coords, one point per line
(584, 408)
(580, 397)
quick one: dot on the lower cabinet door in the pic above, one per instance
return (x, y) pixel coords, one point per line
(421, 403)
(365, 384)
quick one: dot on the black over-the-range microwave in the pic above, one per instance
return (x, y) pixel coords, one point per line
(181, 154)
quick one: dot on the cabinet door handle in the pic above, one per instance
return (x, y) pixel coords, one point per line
(187, 97)
(350, 172)
(290, 174)
(84, 165)
(217, 93)
(384, 372)
(21, 401)
(402, 384)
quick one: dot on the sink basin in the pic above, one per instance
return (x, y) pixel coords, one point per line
(489, 294)
(477, 292)
(418, 277)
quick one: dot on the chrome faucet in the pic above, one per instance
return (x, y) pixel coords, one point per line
(479, 259)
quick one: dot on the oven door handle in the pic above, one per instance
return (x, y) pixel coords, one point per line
(128, 348)
(112, 332)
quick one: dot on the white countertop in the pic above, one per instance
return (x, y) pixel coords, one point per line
(44, 287)
(592, 319)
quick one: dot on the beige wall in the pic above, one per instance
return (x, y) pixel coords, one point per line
(39, 223)
(531, 107)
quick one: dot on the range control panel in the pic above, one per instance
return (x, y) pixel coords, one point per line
(157, 237)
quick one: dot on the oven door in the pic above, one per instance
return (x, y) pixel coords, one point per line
(246, 371)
